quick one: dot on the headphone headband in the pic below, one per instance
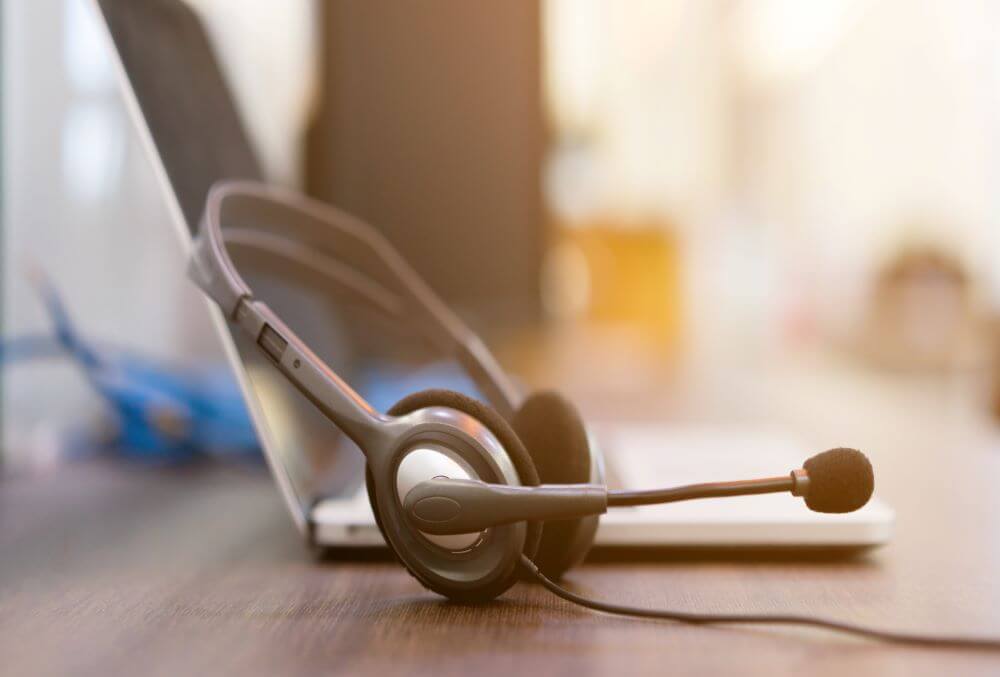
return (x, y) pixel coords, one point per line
(324, 243)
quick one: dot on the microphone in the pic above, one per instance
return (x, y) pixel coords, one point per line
(835, 481)
(840, 480)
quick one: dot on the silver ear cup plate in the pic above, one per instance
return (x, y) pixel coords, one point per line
(425, 463)
(486, 564)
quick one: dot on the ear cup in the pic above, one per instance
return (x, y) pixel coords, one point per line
(496, 424)
(554, 434)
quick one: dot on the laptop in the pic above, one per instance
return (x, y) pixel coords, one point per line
(180, 103)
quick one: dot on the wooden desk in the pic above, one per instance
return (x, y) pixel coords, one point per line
(107, 569)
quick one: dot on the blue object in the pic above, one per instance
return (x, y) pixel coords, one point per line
(385, 384)
(161, 413)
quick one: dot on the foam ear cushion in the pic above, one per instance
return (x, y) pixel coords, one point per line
(554, 434)
(496, 424)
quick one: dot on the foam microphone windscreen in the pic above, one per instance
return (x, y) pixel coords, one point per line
(840, 480)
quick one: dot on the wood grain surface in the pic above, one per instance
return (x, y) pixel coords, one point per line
(110, 569)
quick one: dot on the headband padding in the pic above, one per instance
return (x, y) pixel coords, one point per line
(496, 424)
(551, 429)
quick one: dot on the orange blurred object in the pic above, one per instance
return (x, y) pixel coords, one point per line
(633, 278)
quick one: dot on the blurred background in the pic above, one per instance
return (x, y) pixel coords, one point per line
(680, 201)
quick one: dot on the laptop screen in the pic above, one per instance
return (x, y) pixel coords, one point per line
(183, 96)
(198, 136)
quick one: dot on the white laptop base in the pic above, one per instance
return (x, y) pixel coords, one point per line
(648, 456)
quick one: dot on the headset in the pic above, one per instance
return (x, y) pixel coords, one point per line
(469, 496)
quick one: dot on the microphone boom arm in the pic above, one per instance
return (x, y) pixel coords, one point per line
(443, 506)
(768, 485)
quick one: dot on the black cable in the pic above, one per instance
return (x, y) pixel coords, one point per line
(981, 643)
(768, 485)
